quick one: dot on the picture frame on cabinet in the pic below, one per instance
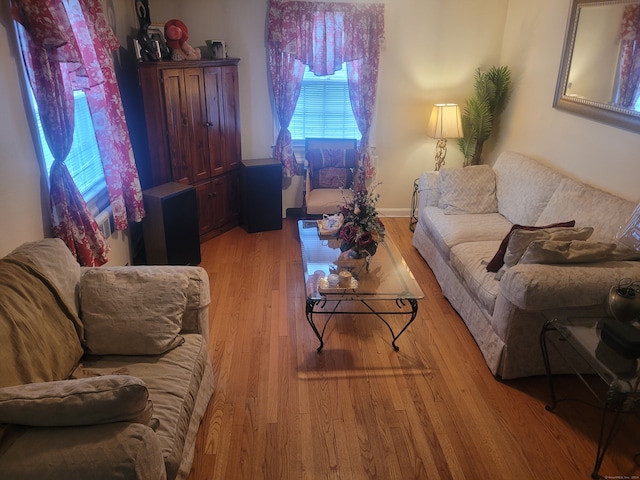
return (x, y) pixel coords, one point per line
(138, 49)
(217, 48)
(156, 33)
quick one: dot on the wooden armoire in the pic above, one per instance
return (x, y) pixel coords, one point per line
(192, 114)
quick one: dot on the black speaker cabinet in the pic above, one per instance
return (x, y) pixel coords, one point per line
(261, 192)
(170, 227)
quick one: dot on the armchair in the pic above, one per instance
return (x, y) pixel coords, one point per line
(331, 168)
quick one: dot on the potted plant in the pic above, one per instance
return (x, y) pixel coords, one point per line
(482, 110)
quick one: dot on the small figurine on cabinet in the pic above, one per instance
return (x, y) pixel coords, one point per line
(176, 34)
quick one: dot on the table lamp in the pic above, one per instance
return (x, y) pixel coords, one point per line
(445, 122)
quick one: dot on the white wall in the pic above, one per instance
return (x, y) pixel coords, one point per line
(598, 154)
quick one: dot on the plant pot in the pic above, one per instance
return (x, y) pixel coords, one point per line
(623, 305)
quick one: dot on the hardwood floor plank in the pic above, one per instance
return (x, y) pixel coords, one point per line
(359, 409)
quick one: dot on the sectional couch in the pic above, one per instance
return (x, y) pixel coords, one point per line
(104, 372)
(470, 219)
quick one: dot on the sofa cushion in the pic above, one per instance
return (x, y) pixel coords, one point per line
(498, 259)
(590, 207)
(52, 258)
(523, 188)
(40, 342)
(86, 401)
(468, 261)
(132, 312)
(520, 240)
(572, 251)
(450, 230)
(468, 190)
(173, 380)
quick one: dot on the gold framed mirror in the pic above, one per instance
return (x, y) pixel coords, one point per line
(598, 78)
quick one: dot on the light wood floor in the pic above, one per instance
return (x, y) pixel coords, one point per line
(360, 410)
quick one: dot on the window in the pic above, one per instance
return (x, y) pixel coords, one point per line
(324, 109)
(83, 162)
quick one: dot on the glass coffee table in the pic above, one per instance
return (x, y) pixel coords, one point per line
(374, 281)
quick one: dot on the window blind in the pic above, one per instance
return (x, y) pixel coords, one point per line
(324, 109)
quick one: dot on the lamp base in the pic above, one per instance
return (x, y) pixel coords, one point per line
(441, 152)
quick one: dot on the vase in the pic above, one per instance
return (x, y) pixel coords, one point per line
(622, 305)
(358, 254)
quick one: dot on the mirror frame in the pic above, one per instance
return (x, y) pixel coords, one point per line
(601, 112)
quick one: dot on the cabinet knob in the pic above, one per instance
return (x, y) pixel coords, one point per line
(208, 124)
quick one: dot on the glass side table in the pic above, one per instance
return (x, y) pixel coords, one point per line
(620, 374)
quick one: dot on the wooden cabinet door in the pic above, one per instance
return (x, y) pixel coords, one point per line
(176, 112)
(231, 145)
(213, 87)
(196, 97)
(224, 118)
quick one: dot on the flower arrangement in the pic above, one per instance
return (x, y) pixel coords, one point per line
(362, 230)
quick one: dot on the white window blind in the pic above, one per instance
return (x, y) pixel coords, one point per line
(83, 162)
(324, 109)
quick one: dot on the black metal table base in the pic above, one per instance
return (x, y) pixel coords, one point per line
(322, 303)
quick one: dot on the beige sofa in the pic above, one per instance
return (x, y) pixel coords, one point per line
(105, 372)
(463, 219)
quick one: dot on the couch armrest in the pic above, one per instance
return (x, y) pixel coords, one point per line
(428, 190)
(100, 452)
(544, 287)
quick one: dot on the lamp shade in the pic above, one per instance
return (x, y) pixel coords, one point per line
(445, 121)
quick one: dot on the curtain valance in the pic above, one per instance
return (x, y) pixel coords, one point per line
(324, 35)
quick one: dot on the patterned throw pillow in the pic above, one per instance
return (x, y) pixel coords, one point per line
(468, 190)
(498, 259)
(331, 167)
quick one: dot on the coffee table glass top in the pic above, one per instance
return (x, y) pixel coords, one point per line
(387, 278)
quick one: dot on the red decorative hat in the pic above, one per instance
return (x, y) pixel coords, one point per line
(176, 33)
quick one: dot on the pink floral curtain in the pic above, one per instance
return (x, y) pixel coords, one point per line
(629, 89)
(324, 35)
(68, 46)
(286, 80)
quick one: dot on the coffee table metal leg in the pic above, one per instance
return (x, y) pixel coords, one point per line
(311, 304)
(400, 303)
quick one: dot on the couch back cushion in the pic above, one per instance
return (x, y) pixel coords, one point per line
(38, 337)
(468, 190)
(523, 188)
(53, 259)
(590, 207)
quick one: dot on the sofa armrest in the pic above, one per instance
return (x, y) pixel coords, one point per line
(429, 190)
(100, 452)
(543, 287)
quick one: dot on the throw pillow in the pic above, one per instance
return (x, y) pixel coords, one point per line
(132, 312)
(498, 259)
(39, 339)
(468, 190)
(568, 251)
(520, 240)
(85, 401)
(331, 167)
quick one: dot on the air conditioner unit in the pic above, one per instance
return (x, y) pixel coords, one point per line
(104, 220)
